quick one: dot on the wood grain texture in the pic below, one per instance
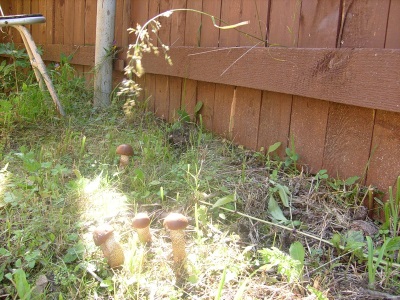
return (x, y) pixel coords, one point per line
(210, 33)
(257, 13)
(348, 140)
(365, 23)
(348, 76)
(189, 96)
(69, 20)
(304, 129)
(161, 97)
(206, 94)
(319, 19)
(384, 166)
(392, 34)
(193, 23)
(59, 23)
(274, 121)
(350, 128)
(230, 14)
(246, 119)
(50, 16)
(284, 22)
(175, 95)
(150, 91)
(222, 109)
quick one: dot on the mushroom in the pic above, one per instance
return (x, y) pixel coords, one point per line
(141, 223)
(103, 236)
(176, 222)
(125, 151)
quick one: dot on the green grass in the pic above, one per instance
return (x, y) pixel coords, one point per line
(59, 179)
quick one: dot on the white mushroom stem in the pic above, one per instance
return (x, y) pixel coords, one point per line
(123, 161)
(178, 245)
(113, 252)
(144, 234)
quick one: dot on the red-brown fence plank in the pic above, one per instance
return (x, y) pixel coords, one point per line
(230, 14)
(175, 95)
(162, 97)
(350, 128)
(192, 38)
(209, 38)
(319, 19)
(79, 23)
(274, 120)
(150, 90)
(283, 31)
(177, 38)
(59, 23)
(50, 15)
(247, 117)
(392, 33)
(248, 101)
(257, 13)
(384, 165)
(69, 13)
(222, 109)
(119, 15)
(365, 23)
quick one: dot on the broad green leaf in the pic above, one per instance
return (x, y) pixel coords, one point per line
(274, 147)
(275, 210)
(198, 107)
(224, 200)
(21, 284)
(351, 180)
(297, 252)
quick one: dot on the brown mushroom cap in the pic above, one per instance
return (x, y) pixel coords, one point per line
(125, 149)
(141, 220)
(102, 233)
(175, 221)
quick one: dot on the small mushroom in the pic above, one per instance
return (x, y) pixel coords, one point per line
(141, 223)
(103, 236)
(125, 151)
(176, 223)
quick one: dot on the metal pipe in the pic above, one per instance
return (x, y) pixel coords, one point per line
(103, 61)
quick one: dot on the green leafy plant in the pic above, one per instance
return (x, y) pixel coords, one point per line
(291, 155)
(391, 210)
(290, 266)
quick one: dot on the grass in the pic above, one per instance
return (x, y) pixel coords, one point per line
(59, 179)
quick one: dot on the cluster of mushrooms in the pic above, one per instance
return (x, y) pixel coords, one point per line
(103, 236)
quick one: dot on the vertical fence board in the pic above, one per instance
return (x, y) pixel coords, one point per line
(79, 24)
(43, 26)
(281, 20)
(385, 148)
(231, 13)
(119, 15)
(256, 12)
(348, 140)
(162, 96)
(308, 114)
(365, 23)
(177, 38)
(192, 38)
(222, 108)
(69, 13)
(139, 14)
(50, 21)
(246, 119)
(126, 20)
(210, 33)
(248, 101)
(59, 23)
(274, 120)
(175, 95)
(90, 33)
(209, 38)
(150, 90)
(350, 128)
(284, 22)
(392, 34)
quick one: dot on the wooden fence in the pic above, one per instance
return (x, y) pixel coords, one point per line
(328, 73)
